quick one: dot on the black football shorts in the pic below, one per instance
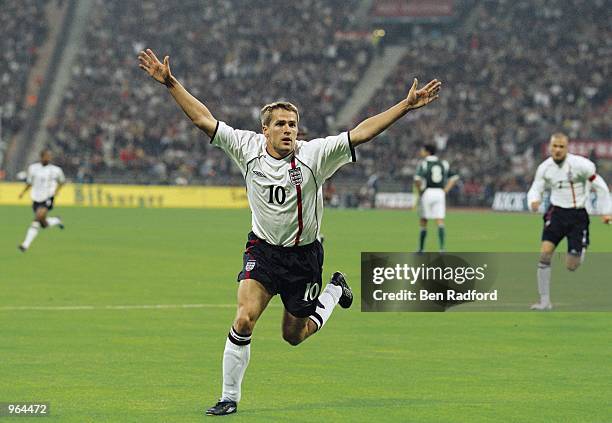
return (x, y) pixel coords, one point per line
(293, 272)
(48, 204)
(570, 223)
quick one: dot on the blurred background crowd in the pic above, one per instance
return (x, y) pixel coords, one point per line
(116, 123)
(513, 73)
(24, 28)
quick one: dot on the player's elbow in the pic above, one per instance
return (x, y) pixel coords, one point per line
(358, 136)
(206, 124)
(199, 121)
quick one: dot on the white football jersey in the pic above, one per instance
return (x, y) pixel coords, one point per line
(44, 180)
(569, 183)
(285, 195)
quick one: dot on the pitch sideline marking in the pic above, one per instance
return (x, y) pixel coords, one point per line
(119, 307)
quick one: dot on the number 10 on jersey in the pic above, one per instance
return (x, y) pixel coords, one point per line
(277, 193)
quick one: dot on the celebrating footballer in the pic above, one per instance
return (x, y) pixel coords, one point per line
(284, 177)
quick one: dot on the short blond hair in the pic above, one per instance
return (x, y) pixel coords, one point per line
(560, 135)
(266, 111)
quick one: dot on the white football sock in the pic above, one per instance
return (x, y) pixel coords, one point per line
(235, 361)
(52, 221)
(31, 234)
(325, 305)
(544, 271)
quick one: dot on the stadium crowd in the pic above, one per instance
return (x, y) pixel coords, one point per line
(24, 28)
(114, 122)
(513, 74)
(512, 71)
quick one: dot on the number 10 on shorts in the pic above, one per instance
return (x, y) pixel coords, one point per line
(312, 291)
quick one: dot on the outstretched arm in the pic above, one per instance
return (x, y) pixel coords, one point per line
(374, 125)
(193, 108)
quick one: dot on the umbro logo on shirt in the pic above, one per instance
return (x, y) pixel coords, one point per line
(258, 173)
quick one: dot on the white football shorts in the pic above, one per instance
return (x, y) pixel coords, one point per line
(432, 204)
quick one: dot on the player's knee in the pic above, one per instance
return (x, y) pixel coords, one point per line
(573, 259)
(545, 259)
(42, 221)
(572, 265)
(292, 338)
(244, 323)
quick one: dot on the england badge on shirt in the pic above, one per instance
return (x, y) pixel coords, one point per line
(295, 175)
(250, 265)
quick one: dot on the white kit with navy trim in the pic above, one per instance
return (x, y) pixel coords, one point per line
(285, 195)
(44, 180)
(569, 183)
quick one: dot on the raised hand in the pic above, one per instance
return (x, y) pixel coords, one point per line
(424, 96)
(159, 71)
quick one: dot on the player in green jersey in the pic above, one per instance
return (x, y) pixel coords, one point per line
(433, 180)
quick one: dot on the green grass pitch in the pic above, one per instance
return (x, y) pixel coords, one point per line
(98, 362)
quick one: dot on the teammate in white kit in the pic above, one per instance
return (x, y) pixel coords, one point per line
(46, 180)
(284, 178)
(570, 179)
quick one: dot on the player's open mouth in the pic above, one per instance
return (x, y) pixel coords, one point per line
(286, 139)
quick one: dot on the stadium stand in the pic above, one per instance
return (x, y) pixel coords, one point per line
(115, 124)
(24, 29)
(501, 101)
